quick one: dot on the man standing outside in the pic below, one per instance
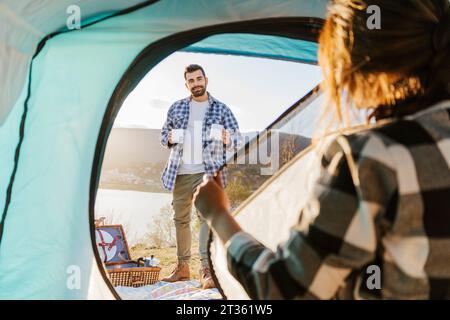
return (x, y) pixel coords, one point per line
(208, 129)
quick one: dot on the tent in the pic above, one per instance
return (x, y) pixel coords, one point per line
(61, 90)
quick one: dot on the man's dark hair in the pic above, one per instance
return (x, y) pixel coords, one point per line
(193, 67)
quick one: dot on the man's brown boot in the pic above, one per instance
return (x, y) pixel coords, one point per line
(206, 279)
(180, 273)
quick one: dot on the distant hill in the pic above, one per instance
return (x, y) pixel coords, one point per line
(134, 159)
(250, 175)
(128, 147)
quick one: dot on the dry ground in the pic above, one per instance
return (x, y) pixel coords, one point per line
(167, 258)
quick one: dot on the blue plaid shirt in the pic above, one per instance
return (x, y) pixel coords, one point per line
(214, 152)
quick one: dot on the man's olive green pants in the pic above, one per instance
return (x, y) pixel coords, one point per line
(183, 192)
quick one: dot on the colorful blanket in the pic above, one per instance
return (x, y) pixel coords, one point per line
(182, 290)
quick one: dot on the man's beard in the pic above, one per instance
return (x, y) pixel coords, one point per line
(198, 93)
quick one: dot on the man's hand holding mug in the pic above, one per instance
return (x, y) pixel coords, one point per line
(176, 136)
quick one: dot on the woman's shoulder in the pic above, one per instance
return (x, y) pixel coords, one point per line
(425, 127)
(362, 146)
(366, 141)
(392, 141)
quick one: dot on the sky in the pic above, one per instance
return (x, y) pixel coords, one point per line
(257, 90)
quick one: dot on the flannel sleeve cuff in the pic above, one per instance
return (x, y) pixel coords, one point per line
(238, 241)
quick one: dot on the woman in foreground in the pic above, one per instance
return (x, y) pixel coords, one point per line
(383, 193)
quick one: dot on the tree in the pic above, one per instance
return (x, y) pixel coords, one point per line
(162, 229)
(237, 192)
(287, 150)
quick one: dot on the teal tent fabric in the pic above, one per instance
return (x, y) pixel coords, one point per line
(46, 241)
(262, 46)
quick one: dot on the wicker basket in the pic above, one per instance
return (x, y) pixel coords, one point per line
(134, 277)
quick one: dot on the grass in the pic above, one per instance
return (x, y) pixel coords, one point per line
(167, 258)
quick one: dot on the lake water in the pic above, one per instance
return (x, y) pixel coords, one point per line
(132, 209)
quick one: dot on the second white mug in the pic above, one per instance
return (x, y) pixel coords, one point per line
(216, 131)
(177, 135)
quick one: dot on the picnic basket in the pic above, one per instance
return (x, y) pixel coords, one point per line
(113, 249)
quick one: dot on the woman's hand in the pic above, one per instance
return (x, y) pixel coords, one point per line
(210, 198)
(212, 202)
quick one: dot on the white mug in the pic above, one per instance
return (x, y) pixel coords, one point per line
(177, 135)
(216, 131)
